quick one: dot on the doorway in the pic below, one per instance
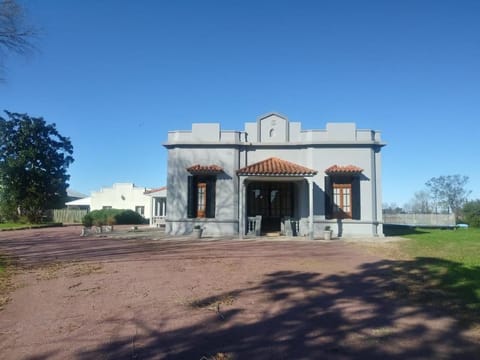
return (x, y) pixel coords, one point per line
(273, 201)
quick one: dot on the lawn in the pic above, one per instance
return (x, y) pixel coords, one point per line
(461, 246)
(3, 266)
(20, 226)
(5, 283)
(444, 269)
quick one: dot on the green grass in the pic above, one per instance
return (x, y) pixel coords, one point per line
(5, 280)
(461, 245)
(20, 226)
(444, 269)
(3, 265)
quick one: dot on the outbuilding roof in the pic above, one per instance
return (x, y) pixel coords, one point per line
(156, 191)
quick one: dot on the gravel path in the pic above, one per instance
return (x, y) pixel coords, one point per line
(143, 296)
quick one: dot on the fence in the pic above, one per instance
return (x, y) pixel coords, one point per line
(68, 216)
(426, 220)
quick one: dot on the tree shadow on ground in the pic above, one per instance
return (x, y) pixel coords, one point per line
(400, 230)
(380, 311)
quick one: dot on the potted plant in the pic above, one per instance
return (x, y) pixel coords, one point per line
(197, 231)
(327, 233)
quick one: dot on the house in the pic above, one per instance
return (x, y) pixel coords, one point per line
(274, 178)
(74, 195)
(150, 203)
(79, 204)
(158, 207)
(77, 201)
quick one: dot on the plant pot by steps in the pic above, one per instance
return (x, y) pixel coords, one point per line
(327, 234)
(197, 233)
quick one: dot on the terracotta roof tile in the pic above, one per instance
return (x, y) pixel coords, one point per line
(349, 169)
(205, 169)
(276, 167)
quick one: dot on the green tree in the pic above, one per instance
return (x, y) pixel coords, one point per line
(449, 192)
(471, 213)
(34, 159)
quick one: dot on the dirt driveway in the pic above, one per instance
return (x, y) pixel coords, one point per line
(157, 298)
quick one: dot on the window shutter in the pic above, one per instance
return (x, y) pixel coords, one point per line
(191, 198)
(356, 204)
(328, 198)
(211, 192)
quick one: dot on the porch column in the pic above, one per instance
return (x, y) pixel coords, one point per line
(241, 208)
(310, 207)
(152, 205)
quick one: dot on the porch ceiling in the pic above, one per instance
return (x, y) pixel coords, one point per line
(275, 167)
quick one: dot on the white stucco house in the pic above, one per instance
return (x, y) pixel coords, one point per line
(150, 203)
(274, 177)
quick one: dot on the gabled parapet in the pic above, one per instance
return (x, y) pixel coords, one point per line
(273, 129)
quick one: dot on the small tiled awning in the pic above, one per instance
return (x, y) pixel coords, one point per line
(205, 169)
(275, 167)
(348, 170)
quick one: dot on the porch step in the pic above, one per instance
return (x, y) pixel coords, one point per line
(272, 234)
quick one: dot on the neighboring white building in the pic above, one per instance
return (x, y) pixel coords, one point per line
(158, 208)
(275, 176)
(146, 202)
(81, 204)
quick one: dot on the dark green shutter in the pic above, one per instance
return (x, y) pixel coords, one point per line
(191, 198)
(328, 198)
(211, 192)
(356, 204)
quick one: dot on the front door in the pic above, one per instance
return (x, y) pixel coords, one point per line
(272, 200)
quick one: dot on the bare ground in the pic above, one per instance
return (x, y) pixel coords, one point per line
(149, 297)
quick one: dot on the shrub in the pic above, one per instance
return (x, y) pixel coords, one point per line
(128, 217)
(111, 217)
(87, 220)
(111, 220)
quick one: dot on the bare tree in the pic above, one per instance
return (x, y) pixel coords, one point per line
(420, 203)
(392, 208)
(15, 32)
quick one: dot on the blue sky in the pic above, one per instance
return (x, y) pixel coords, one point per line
(115, 76)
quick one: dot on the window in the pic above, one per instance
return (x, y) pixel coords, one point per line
(106, 207)
(201, 196)
(342, 197)
(140, 210)
(201, 199)
(342, 200)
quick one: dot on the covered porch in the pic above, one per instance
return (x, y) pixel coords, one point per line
(275, 195)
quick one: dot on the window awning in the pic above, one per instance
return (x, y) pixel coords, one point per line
(275, 167)
(342, 170)
(205, 169)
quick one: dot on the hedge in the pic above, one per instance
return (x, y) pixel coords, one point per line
(112, 217)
